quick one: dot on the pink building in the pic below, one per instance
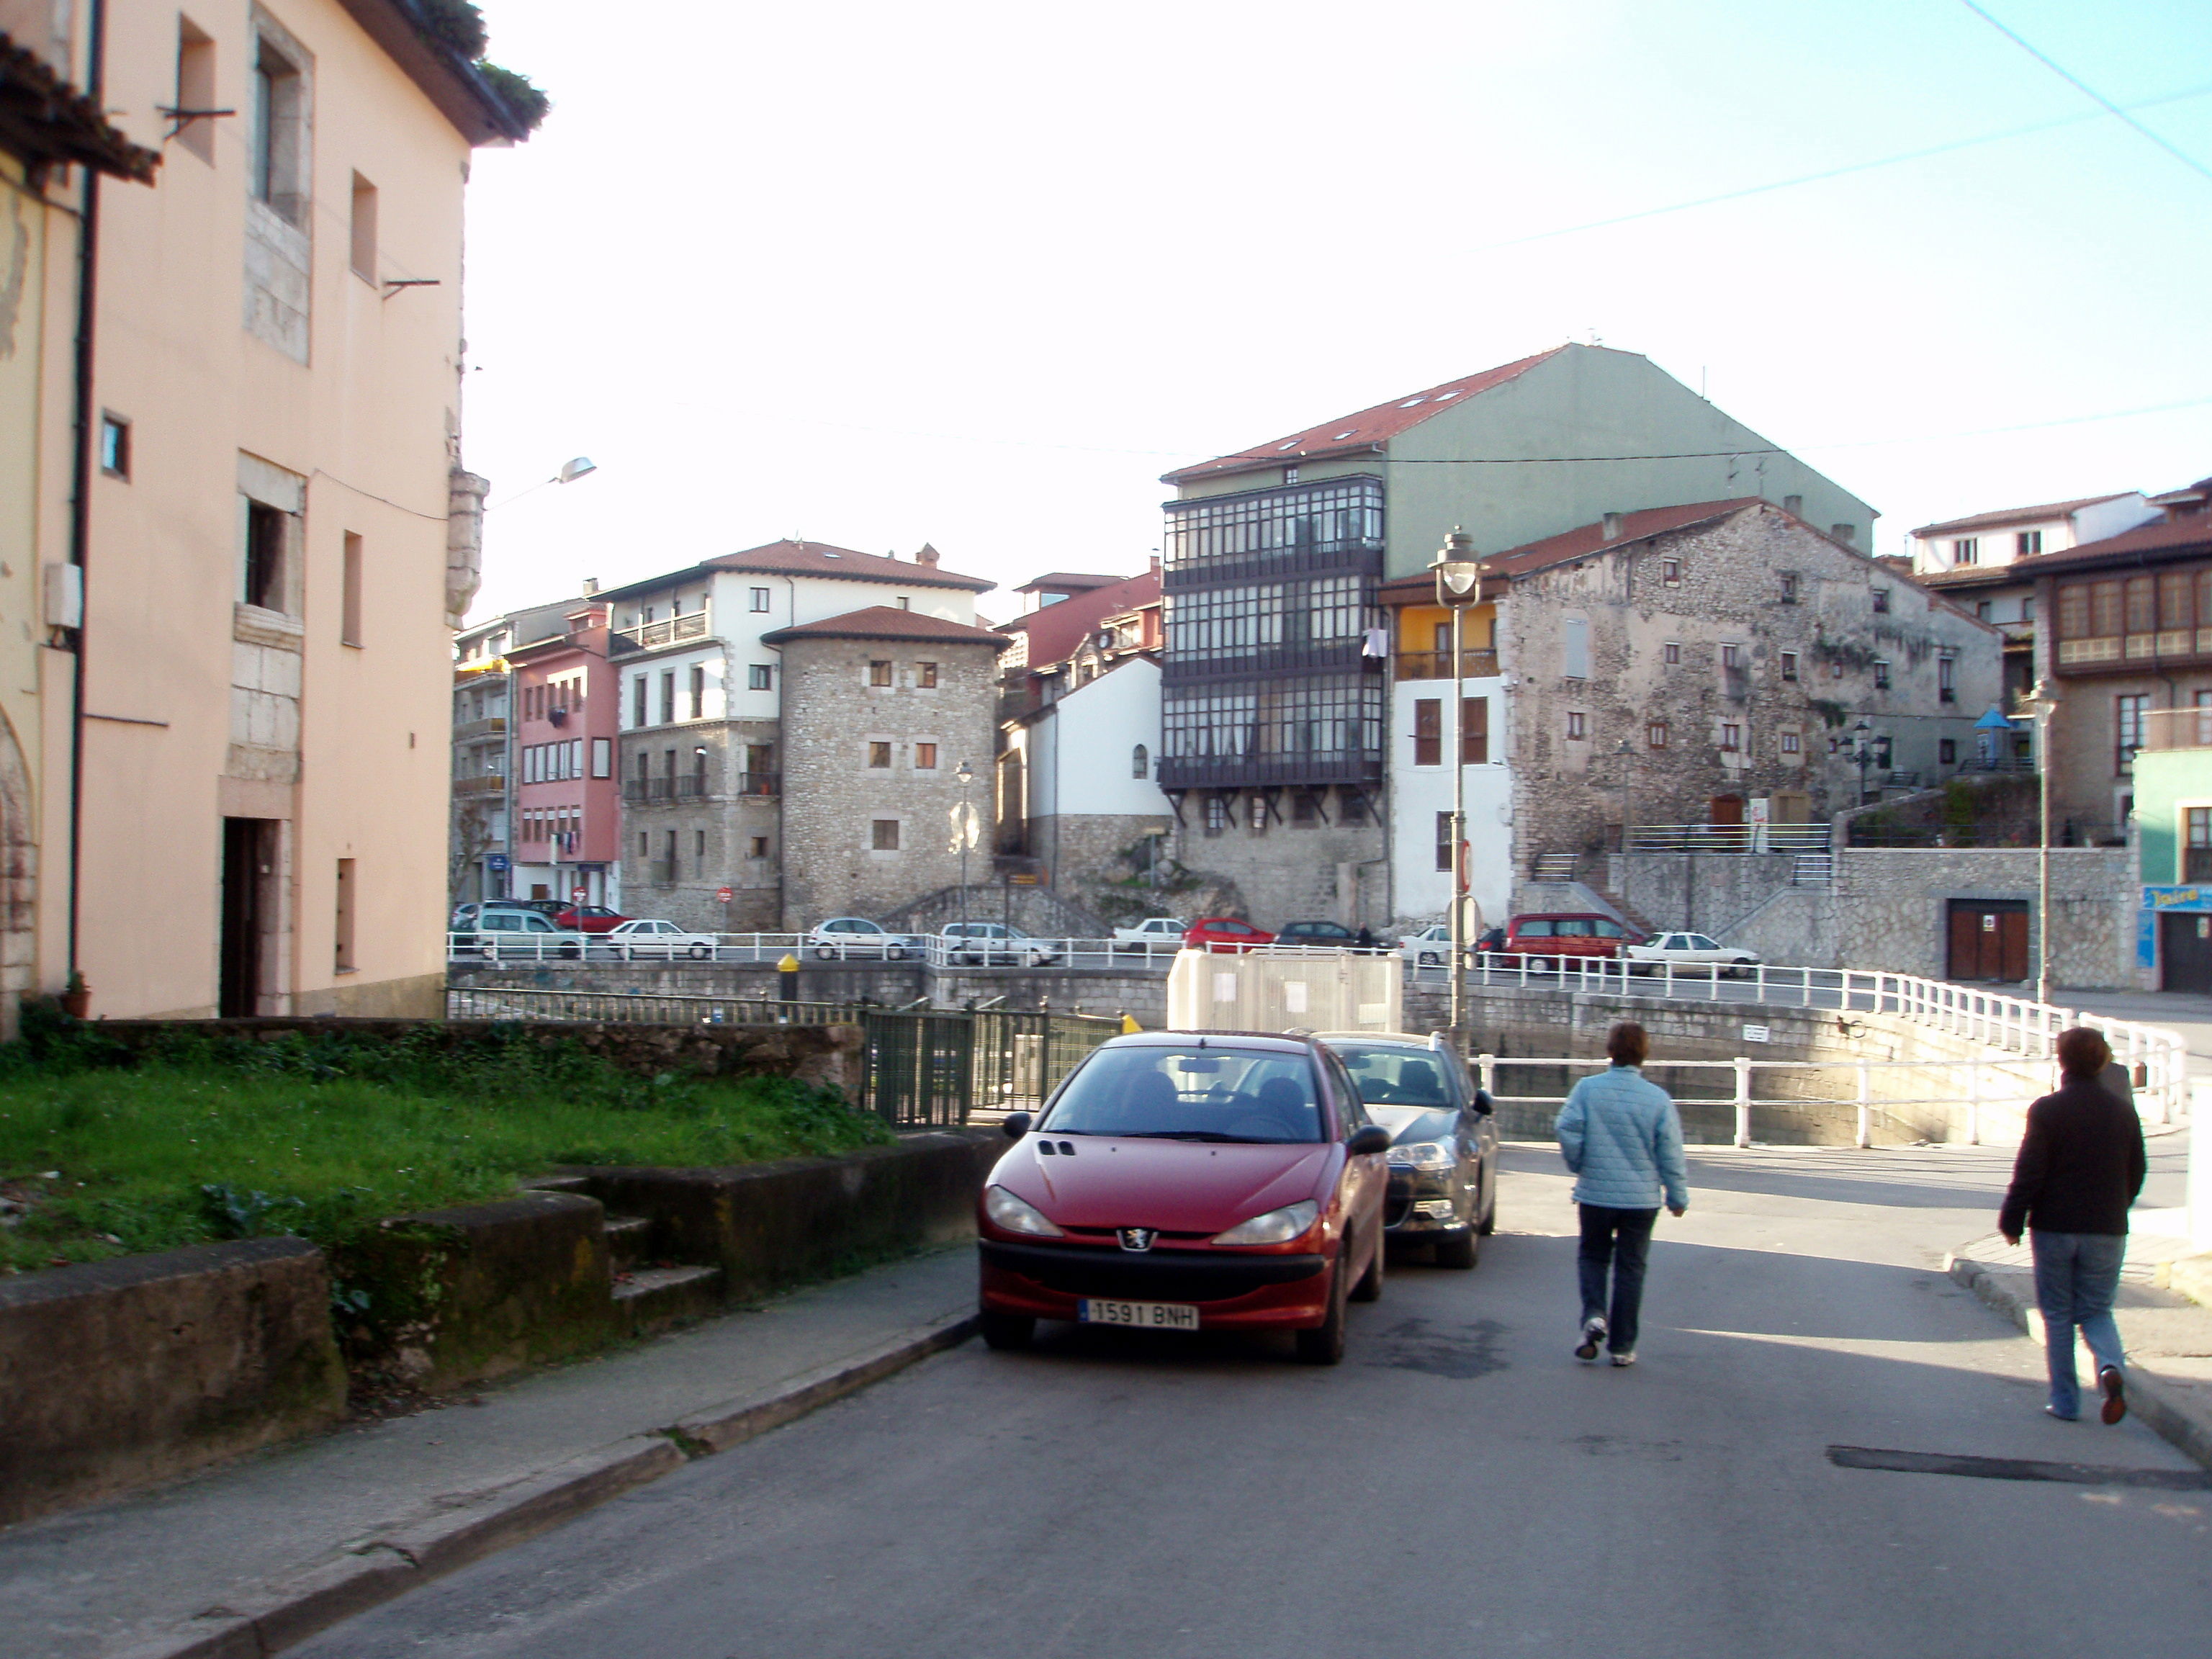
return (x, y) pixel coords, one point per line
(567, 802)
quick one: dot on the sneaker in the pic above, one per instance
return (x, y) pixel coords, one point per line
(1593, 1334)
(2063, 1417)
(2116, 1401)
(1627, 1359)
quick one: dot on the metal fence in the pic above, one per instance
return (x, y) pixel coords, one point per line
(920, 1067)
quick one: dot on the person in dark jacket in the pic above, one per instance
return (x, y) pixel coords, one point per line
(2080, 1167)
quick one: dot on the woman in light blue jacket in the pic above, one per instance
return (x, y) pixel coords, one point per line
(1622, 1139)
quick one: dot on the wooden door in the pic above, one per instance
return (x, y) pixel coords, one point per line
(2012, 944)
(1988, 940)
(1727, 810)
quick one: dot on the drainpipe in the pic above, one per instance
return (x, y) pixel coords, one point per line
(88, 268)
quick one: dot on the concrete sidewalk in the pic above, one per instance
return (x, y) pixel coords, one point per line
(253, 1557)
(2168, 1335)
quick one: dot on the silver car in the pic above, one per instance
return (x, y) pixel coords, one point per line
(641, 940)
(990, 943)
(856, 938)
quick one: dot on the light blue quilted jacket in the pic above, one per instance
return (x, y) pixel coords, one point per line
(1622, 1139)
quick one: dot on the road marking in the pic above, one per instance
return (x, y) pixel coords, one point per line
(2017, 1469)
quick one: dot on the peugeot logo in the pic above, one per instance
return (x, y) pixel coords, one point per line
(1139, 1239)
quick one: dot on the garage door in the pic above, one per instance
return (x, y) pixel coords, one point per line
(1989, 939)
(2185, 953)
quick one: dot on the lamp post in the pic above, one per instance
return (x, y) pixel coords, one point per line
(1862, 741)
(1626, 751)
(2043, 701)
(1459, 584)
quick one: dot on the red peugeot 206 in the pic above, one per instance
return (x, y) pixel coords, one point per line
(1189, 1180)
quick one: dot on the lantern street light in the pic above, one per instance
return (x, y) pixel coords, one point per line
(1459, 571)
(2042, 703)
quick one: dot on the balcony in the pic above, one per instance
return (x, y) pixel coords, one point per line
(688, 786)
(1437, 665)
(2134, 652)
(1181, 668)
(657, 635)
(469, 730)
(2178, 729)
(760, 783)
(1260, 771)
(488, 783)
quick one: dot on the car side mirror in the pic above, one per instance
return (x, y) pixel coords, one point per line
(1017, 1125)
(1367, 1140)
(1484, 1105)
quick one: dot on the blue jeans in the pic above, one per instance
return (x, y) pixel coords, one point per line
(1620, 1240)
(2076, 1276)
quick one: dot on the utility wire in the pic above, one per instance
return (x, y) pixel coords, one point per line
(2085, 89)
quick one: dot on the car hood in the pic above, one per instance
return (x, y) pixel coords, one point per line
(1176, 1186)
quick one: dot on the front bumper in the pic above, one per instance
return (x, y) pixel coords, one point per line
(1411, 1204)
(1229, 1289)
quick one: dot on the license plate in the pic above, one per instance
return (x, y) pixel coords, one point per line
(1144, 1316)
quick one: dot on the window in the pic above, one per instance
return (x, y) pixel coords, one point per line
(1305, 809)
(668, 697)
(1217, 815)
(1352, 808)
(1881, 601)
(1982, 609)
(2027, 544)
(1789, 588)
(2197, 856)
(1846, 533)
(1140, 765)
(1791, 743)
(1256, 815)
(2128, 714)
(1475, 732)
(1947, 752)
(1670, 572)
(603, 757)
(1731, 656)
(637, 695)
(644, 836)
(1429, 732)
(350, 593)
(364, 230)
(885, 837)
(1655, 733)
(1443, 840)
(699, 846)
(1790, 664)
(195, 89)
(1947, 679)
(760, 599)
(277, 165)
(345, 912)
(1966, 551)
(1881, 676)
(698, 691)
(114, 446)
(1577, 725)
(1574, 648)
(904, 603)
(1794, 505)
(756, 847)
(1731, 737)
(879, 673)
(761, 676)
(924, 757)
(1673, 652)
(924, 674)
(1225, 537)
(263, 583)
(880, 755)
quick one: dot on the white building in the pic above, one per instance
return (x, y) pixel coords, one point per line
(1086, 763)
(1421, 800)
(1987, 540)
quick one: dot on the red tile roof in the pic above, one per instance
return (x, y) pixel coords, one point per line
(1369, 427)
(2191, 534)
(1068, 582)
(883, 621)
(2018, 514)
(790, 558)
(1055, 630)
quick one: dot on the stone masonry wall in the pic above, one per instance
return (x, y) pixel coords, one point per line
(1291, 872)
(1891, 908)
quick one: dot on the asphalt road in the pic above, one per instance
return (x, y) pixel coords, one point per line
(1459, 1486)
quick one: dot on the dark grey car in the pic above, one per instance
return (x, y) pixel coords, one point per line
(1443, 1139)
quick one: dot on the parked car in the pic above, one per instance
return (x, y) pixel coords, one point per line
(1330, 934)
(857, 939)
(1152, 933)
(550, 908)
(590, 919)
(1549, 940)
(1431, 947)
(509, 930)
(463, 918)
(1443, 1147)
(1224, 933)
(644, 940)
(1690, 953)
(993, 943)
(1181, 1183)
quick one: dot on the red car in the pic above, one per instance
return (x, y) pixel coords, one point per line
(590, 919)
(1551, 941)
(1224, 933)
(1182, 1181)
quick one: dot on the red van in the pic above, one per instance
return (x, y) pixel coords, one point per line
(1549, 940)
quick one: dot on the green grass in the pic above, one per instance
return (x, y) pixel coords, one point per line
(217, 1138)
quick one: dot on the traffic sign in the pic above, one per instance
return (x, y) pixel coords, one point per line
(579, 894)
(497, 864)
(726, 894)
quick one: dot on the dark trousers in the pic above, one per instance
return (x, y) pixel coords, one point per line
(1619, 1239)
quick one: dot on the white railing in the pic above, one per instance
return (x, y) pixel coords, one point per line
(1727, 838)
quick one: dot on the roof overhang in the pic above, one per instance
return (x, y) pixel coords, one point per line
(455, 85)
(46, 121)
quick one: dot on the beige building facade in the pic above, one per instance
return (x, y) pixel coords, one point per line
(274, 535)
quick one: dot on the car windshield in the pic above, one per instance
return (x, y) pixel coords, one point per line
(1392, 1076)
(1190, 1094)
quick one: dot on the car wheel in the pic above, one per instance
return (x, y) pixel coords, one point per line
(1488, 1224)
(1324, 1344)
(1369, 1287)
(1005, 1331)
(700, 953)
(573, 952)
(1458, 1250)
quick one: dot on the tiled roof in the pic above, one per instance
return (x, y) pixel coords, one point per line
(790, 558)
(1055, 630)
(1971, 575)
(2018, 514)
(1068, 582)
(1370, 426)
(44, 119)
(883, 621)
(1580, 544)
(2171, 536)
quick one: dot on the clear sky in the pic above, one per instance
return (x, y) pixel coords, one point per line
(975, 274)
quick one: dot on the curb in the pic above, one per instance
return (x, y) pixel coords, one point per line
(287, 1611)
(2188, 1432)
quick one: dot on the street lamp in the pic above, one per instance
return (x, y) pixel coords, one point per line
(578, 467)
(963, 827)
(1459, 572)
(1863, 741)
(2043, 702)
(1625, 751)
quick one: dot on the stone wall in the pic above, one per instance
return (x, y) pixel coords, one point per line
(723, 838)
(1891, 908)
(1709, 894)
(1138, 991)
(1289, 872)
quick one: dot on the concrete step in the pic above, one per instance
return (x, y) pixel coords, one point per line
(1555, 867)
(653, 1298)
(574, 1183)
(627, 1237)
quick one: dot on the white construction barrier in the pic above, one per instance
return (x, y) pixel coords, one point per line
(1304, 990)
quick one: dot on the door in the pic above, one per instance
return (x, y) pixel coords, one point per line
(246, 864)
(1988, 940)
(2185, 953)
(1727, 810)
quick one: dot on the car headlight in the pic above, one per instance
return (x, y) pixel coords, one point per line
(1276, 1227)
(1016, 1217)
(1422, 1155)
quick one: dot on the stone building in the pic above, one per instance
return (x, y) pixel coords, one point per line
(884, 711)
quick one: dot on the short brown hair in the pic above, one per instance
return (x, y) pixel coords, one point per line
(1628, 1043)
(2082, 1052)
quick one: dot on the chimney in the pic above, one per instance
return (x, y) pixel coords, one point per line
(1611, 528)
(591, 586)
(927, 555)
(1156, 564)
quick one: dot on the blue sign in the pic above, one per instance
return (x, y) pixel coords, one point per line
(2146, 938)
(2176, 898)
(497, 864)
